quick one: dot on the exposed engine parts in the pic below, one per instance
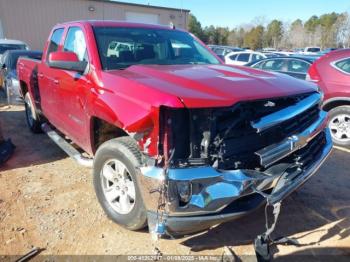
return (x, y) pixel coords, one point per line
(226, 138)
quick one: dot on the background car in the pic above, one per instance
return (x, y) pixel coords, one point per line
(8, 72)
(327, 50)
(298, 50)
(284, 53)
(8, 44)
(293, 66)
(222, 51)
(311, 50)
(332, 73)
(245, 57)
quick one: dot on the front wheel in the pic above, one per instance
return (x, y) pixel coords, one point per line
(116, 183)
(339, 124)
(32, 117)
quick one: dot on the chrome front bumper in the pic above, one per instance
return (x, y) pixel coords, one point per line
(221, 195)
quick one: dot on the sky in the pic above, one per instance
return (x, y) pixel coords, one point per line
(232, 13)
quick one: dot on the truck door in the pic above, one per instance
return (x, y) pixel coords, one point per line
(74, 88)
(47, 94)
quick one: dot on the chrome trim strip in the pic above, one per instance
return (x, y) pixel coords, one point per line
(286, 113)
(272, 153)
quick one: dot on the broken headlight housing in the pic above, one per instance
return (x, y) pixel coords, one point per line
(184, 191)
(184, 135)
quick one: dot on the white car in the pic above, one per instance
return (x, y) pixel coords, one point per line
(311, 50)
(10, 44)
(245, 57)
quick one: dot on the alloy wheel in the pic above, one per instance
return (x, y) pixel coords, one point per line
(118, 186)
(340, 127)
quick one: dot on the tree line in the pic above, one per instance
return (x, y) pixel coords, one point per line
(327, 30)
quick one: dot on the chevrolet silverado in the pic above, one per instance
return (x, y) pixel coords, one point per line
(172, 134)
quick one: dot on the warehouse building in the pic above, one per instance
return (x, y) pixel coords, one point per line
(32, 20)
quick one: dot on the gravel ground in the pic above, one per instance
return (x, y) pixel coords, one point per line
(47, 201)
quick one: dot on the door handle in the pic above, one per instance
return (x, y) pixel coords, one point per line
(40, 75)
(56, 82)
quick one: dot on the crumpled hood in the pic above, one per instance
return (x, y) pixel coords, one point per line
(214, 85)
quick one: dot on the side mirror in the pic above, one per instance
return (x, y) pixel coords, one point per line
(67, 61)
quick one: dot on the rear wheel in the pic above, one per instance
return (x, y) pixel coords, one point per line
(116, 184)
(339, 124)
(32, 117)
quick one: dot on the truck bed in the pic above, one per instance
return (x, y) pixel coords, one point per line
(27, 71)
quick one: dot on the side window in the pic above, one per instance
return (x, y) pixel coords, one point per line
(55, 41)
(243, 57)
(75, 42)
(258, 65)
(298, 66)
(273, 65)
(256, 57)
(233, 57)
(343, 65)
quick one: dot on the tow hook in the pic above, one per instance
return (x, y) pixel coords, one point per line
(263, 242)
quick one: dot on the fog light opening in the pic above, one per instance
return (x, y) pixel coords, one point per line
(184, 190)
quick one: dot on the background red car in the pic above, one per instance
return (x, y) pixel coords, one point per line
(332, 73)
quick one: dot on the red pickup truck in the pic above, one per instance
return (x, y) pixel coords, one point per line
(175, 137)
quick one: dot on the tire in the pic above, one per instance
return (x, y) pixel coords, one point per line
(339, 124)
(119, 154)
(32, 118)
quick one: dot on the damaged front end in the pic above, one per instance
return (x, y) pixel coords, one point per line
(219, 162)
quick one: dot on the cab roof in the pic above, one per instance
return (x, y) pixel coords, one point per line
(116, 23)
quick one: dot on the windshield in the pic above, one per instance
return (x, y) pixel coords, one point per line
(5, 47)
(120, 48)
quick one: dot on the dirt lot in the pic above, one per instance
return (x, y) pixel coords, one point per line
(47, 201)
